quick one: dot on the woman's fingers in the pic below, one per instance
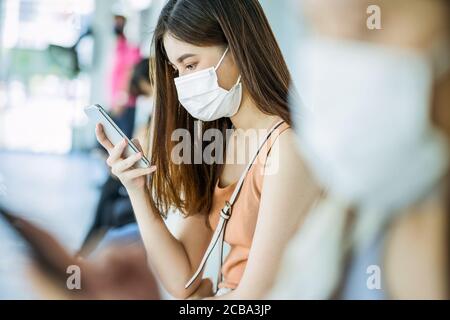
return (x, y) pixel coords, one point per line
(117, 152)
(128, 162)
(102, 138)
(136, 173)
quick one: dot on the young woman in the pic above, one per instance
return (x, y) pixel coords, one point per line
(218, 61)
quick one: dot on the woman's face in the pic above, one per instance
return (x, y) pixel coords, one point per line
(186, 58)
(405, 23)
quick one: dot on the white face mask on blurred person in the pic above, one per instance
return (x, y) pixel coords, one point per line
(366, 130)
(201, 95)
(144, 109)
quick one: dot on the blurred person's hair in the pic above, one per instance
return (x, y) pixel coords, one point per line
(140, 73)
(243, 26)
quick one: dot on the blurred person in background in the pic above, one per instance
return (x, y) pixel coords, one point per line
(114, 211)
(126, 56)
(142, 87)
(376, 131)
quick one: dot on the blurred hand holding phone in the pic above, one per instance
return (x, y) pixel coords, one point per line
(118, 272)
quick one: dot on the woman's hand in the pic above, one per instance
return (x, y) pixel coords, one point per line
(119, 272)
(133, 179)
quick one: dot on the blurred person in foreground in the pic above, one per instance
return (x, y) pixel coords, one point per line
(376, 131)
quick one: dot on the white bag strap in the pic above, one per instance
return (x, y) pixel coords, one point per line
(225, 215)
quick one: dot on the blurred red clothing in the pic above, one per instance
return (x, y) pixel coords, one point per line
(125, 58)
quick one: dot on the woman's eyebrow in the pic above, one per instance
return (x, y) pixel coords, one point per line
(185, 56)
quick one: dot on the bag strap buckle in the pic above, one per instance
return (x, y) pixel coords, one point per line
(226, 211)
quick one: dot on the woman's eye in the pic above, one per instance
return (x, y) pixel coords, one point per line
(190, 67)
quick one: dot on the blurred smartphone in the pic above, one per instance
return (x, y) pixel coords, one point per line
(98, 115)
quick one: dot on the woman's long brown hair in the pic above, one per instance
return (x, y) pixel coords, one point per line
(241, 25)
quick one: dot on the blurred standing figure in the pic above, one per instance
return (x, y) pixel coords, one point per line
(377, 137)
(126, 56)
(141, 86)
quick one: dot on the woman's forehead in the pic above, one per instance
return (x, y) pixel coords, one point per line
(176, 49)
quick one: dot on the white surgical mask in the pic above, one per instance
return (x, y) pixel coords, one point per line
(201, 95)
(367, 130)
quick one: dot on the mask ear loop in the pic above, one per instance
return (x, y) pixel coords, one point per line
(238, 80)
(220, 62)
(221, 59)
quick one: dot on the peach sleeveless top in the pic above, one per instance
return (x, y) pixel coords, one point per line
(242, 224)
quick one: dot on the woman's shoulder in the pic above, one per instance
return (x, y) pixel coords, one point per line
(285, 146)
(287, 138)
(285, 162)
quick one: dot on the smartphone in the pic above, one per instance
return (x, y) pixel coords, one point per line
(98, 115)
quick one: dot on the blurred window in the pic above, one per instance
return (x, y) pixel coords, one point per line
(41, 90)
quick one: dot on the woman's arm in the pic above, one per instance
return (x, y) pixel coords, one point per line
(415, 261)
(174, 259)
(287, 196)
